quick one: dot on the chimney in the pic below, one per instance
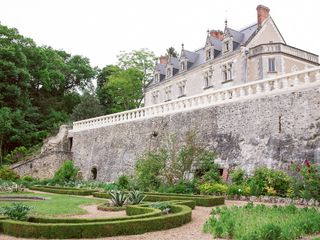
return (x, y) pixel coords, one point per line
(262, 14)
(217, 34)
(163, 60)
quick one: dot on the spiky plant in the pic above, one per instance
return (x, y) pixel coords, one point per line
(118, 198)
(135, 197)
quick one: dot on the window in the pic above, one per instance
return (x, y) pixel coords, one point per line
(227, 72)
(182, 66)
(272, 64)
(156, 78)
(167, 93)
(169, 72)
(227, 46)
(182, 87)
(207, 76)
(208, 54)
(155, 97)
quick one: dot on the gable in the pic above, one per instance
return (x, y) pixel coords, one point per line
(268, 33)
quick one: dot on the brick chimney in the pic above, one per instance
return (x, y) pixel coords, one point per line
(217, 34)
(163, 59)
(262, 14)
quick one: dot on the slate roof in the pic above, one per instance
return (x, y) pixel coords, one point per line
(197, 57)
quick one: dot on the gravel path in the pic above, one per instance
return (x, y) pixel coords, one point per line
(189, 231)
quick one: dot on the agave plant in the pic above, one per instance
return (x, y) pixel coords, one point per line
(118, 198)
(136, 197)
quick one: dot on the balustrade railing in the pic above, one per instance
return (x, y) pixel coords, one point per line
(288, 82)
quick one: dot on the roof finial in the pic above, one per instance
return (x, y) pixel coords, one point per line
(208, 32)
(182, 46)
(226, 23)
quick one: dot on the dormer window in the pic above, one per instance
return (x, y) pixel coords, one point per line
(156, 78)
(169, 72)
(182, 66)
(208, 54)
(227, 45)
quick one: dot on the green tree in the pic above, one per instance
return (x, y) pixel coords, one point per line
(88, 107)
(124, 90)
(172, 52)
(142, 59)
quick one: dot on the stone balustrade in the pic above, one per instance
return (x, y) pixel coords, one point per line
(282, 48)
(309, 78)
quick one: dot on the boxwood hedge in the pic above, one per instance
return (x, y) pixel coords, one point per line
(62, 190)
(181, 215)
(200, 200)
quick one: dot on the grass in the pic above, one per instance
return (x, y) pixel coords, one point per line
(55, 205)
(263, 223)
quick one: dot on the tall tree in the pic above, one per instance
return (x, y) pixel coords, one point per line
(142, 59)
(171, 52)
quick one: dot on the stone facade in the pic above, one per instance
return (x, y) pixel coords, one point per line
(254, 53)
(271, 131)
(54, 152)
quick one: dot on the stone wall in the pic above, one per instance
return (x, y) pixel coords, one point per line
(43, 166)
(271, 131)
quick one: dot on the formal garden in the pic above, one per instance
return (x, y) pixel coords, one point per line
(158, 196)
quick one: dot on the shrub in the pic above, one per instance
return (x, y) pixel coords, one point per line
(181, 187)
(238, 176)
(240, 190)
(16, 211)
(123, 182)
(118, 198)
(147, 170)
(165, 207)
(208, 171)
(6, 173)
(67, 172)
(135, 197)
(8, 186)
(28, 178)
(213, 188)
(269, 182)
(16, 155)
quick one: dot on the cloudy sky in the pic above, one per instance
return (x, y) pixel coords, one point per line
(100, 29)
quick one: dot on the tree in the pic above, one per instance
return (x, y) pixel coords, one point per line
(171, 52)
(89, 107)
(142, 59)
(124, 90)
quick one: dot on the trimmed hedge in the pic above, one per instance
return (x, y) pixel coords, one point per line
(60, 190)
(181, 215)
(200, 200)
(105, 207)
(133, 212)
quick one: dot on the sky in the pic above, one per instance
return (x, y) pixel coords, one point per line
(100, 29)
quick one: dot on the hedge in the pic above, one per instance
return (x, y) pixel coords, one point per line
(105, 207)
(181, 215)
(200, 200)
(133, 212)
(59, 190)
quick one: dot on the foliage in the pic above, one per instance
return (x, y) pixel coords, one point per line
(16, 211)
(89, 107)
(171, 52)
(165, 207)
(183, 186)
(142, 60)
(208, 170)
(213, 188)
(239, 190)
(16, 155)
(238, 176)
(9, 186)
(123, 182)
(135, 197)
(306, 184)
(269, 182)
(38, 89)
(118, 198)
(147, 170)
(6, 173)
(67, 172)
(262, 222)
(123, 91)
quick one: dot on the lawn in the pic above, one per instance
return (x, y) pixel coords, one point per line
(56, 204)
(262, 222)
